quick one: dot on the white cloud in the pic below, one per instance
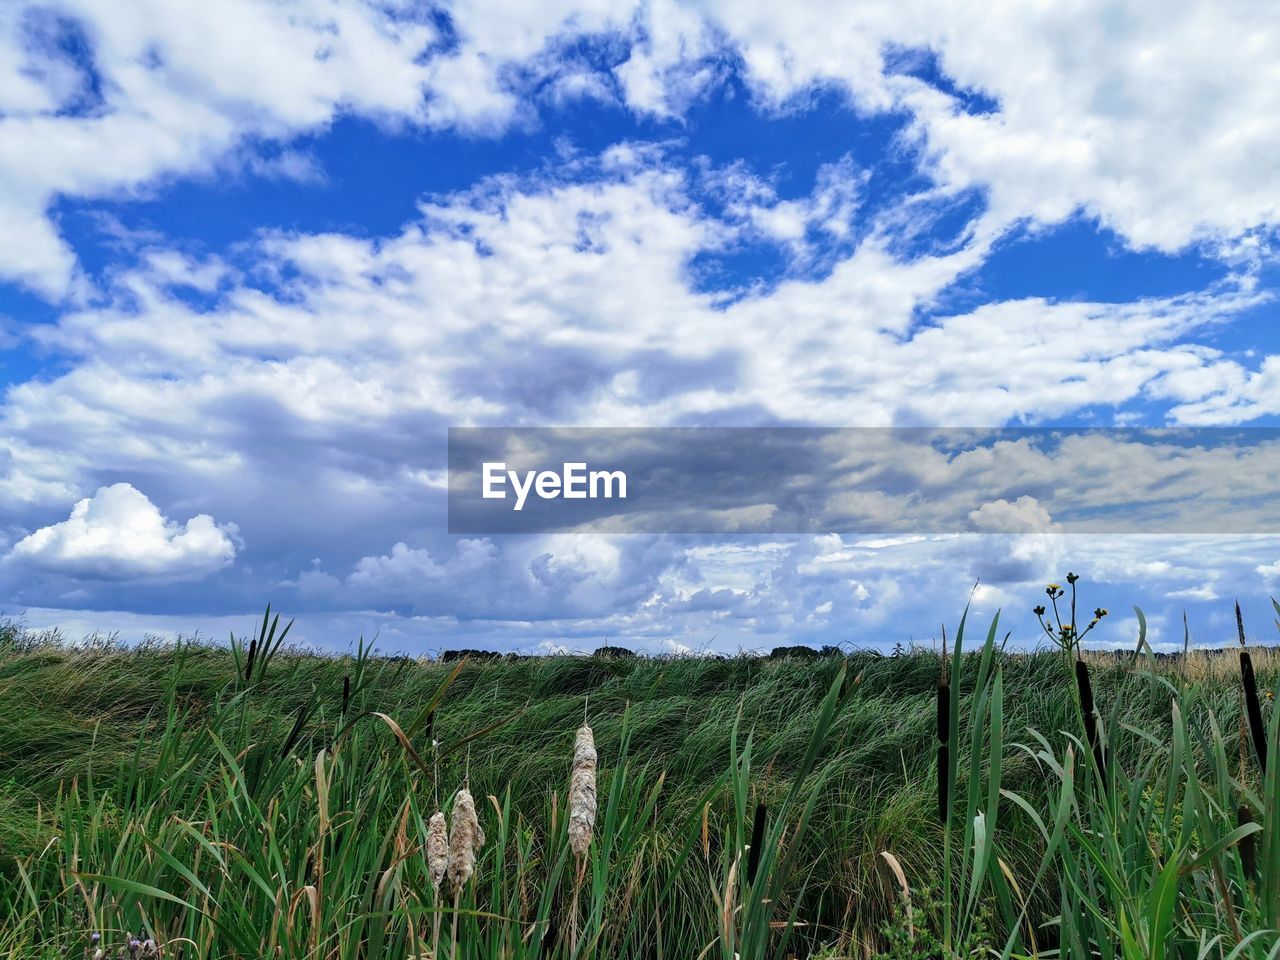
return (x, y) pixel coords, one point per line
(538, 301)
(543, 300)
(1023, 515)
(1159, 119)
(182, 84)
(1269, 572)
(404, 568)
(1204, 591)
(118, 534)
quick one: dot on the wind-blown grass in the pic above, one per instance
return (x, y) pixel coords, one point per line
(282, 806)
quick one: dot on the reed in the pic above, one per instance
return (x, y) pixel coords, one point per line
(184, 824)
(1249, 688)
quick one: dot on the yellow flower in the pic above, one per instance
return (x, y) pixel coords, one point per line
(1053, 586)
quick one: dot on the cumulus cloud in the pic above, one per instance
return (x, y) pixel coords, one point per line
(558, 299)
(580, 295)
(170, 88)
(164, 88)
(553, 302)
(119, 534)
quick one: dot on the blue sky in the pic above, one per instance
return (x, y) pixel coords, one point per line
(246, 285)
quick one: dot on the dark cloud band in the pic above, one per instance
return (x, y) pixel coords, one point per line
(863, 480)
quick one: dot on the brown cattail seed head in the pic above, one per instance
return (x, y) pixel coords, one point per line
(1248, 848)
(944, 783)
(757, 843)
(1253, 709)
(582, 792)
(437, 848)
(1090, 716)
(464, 840)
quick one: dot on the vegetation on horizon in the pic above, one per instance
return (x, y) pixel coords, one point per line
(254, 801)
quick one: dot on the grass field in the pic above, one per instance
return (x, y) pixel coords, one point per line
(255, 801)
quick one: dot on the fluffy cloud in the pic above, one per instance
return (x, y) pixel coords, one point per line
(544, 300)
(96, 100)
(119, 534)
(548, 301)
(580, 295)
(1159, 119)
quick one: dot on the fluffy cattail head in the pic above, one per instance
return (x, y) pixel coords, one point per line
(464, 840)
(437, 848)
(582, 792)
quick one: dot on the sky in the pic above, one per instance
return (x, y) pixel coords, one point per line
(257, 258)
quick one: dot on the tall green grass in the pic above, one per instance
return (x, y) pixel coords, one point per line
(226, 805)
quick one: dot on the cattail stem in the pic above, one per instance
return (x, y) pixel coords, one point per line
(346, 693)
(757, 843)
(453, 927)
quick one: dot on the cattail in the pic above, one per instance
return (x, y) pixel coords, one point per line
(1248, 850)
(944, 712)
(944, 783)
(582, 792)
(346, 693)
(1253, 710)
(465, 839)
(757, 843)
(437, 848)
(943, 728)
(295, 732)
(1085, 689)
(248, 660)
